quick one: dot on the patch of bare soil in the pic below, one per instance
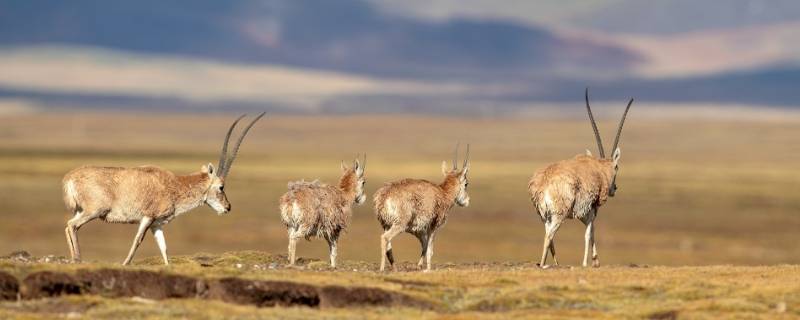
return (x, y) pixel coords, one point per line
(46, 284)
(116, 283)
(664, 315)
(338, 297)
(263, 293)
(139, 283)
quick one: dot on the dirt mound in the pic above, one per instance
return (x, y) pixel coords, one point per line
(339, 297)
(263, 293)
(9, 287)
(140, 283)
(49, 284)
(116, 283)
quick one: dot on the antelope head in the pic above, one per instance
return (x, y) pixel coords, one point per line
(215, 194)
(357, 173)
(460, 176)
(614, 161)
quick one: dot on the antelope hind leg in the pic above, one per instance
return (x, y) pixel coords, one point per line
(71, 231)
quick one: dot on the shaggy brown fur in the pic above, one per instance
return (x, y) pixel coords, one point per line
(314, 209)
(420, 208)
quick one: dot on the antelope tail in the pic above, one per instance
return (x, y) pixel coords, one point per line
(70, 196)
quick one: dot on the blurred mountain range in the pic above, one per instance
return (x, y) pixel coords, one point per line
(342, 35)
(395, 55)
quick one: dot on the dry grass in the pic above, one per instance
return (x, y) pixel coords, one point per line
(462, 291)
(691, 192)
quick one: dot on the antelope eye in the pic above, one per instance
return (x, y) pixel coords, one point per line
(221, 188)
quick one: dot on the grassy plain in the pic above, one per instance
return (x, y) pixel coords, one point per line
(692, 192)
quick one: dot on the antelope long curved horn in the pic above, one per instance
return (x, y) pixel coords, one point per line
(466, 160)
(621, 122)
(223, 156)
(455, 157)
(594, 127)
(239, 144)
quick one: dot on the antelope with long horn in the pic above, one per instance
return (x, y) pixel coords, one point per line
(147, 195)
(314, 209)
(420, 208)
(575, 189)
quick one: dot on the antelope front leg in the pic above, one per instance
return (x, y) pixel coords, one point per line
(158, 234)
(143, 226)
(423, 240)
(595, 258)
(292, 247)
(332, 247)
(429, 252)
(588, 244)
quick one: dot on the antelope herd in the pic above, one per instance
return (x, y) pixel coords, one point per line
(152, 197)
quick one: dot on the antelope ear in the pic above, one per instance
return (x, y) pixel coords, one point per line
(617, 154)
(344, 166)
(357, 166)
(445, 168)
(588, 153)
(208, 169)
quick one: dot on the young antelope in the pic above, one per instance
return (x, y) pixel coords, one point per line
(420, 208)
(314, 209)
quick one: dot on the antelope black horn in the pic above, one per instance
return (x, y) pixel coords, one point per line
(594, 127)
(466, 160)
(239, 144)
(455, 157)
(223, 156)
(621, 122)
